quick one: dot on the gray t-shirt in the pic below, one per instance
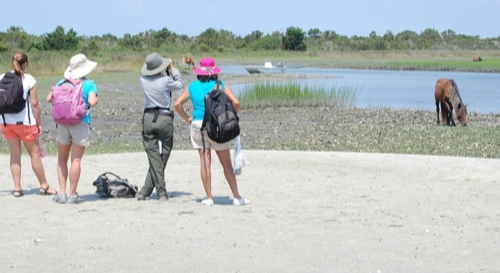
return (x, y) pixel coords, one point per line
(158, 89)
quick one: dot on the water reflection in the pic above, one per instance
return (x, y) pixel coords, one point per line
(400, 89)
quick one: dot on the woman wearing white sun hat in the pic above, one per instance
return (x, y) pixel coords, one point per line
(74, 138)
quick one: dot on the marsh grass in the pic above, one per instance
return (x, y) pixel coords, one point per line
(286, 94)
(460, 64)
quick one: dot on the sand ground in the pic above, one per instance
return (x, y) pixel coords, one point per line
(309, 212)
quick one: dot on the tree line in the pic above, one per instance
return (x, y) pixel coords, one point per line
(293, 39)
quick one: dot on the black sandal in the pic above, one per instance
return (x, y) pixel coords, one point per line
(45, 191)
(18, 193)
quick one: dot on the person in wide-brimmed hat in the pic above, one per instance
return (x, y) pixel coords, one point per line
(79, 67)
(159, 79)
(74, 138)
(208, 75)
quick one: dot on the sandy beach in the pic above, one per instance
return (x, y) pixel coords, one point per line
(309, 212)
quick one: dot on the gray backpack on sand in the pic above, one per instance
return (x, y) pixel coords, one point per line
(117, 187)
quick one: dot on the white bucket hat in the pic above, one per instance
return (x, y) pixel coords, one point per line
(79, 67)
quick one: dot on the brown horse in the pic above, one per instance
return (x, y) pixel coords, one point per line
(446, 95)
(477, 59)
(188, 62)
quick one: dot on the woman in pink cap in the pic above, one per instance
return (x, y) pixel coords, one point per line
(208, 75)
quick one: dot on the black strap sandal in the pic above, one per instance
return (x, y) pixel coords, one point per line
(18, 193)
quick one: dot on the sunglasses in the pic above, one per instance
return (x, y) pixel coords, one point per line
(207, 78)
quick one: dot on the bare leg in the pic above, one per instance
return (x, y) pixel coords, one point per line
(225, 161)
(33, 149)
(205, 172)
(15, 162)
(62, 165)
(74, 173)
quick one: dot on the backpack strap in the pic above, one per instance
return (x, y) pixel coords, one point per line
(28, 104)
(110, 173)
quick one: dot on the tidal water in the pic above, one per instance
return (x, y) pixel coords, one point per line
(400, 89)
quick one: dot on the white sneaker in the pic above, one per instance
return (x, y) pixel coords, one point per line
(207, 202)
(240, 202)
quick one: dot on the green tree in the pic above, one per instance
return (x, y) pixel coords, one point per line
(164, 36)
(430, 39)
(131, 42)
(406, 40)
(268, 42)
(314, 33)
(209, 38)
(59, 40)
(227, 39)
(253, 37)
(294, 39)
(16, 37)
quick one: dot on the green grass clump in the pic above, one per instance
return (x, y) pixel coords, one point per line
(278, 94)
(455, 64)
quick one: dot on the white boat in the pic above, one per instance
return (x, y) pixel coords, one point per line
(268, 67)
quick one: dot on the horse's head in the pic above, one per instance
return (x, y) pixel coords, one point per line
(461, 112)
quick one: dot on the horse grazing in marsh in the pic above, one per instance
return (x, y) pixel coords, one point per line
(477, 59)
(188, 62)
(446, 95)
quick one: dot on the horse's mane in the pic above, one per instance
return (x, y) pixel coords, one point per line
(455, 95)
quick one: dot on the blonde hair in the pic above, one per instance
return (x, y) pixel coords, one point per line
(18, 60)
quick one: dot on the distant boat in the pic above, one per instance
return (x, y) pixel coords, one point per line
(268, 67)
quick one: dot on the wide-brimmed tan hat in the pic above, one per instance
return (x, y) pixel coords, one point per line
(155, 64)
(79, 67)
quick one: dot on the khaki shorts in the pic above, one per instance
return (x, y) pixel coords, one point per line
(197, 141)
(78, 134)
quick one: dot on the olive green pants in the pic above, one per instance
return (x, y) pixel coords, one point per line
(161, 130)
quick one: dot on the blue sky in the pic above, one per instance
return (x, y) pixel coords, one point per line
(242, 17)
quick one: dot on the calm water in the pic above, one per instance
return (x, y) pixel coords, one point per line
(401, 89)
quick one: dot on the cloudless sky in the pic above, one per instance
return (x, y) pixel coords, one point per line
(242, 17)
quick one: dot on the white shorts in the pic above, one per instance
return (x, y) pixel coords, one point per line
(197, 142)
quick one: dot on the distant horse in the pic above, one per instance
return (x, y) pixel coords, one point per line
(446, 95)
(477, 59)
(188, 62)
